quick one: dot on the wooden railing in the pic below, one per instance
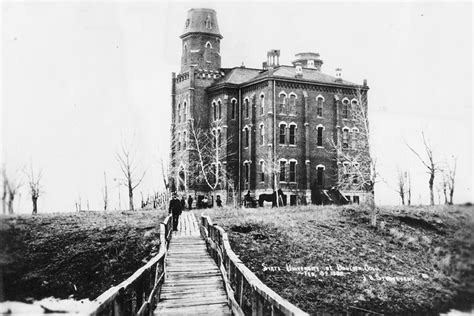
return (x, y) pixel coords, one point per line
(139, 294)
(247, 294)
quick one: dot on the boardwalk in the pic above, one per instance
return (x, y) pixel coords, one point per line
(193, 284)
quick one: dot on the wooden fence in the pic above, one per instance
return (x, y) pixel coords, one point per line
(247, 294)
(139, 294)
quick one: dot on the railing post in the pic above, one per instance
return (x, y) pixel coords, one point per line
(118, 304)
(254, 302)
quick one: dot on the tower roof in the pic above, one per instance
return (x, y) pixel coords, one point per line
(201, 20)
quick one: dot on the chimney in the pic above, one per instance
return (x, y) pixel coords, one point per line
(264, 65)
(273, 58)
(365, 83)
(298, 70)
(339, 74)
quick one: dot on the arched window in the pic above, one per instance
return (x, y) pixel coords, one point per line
(292, 174)
(246, 171)
(345, 137)
(208, 44)
(184, 140)
(184, 111)
(282, 170)
(345, 109)
(262, 104)
(246, 107)
(208, 22)
(282, 103)
(214, 108)
(233, 104)
(282, 133)
(246, 136)
(179, 112)
(319, 108)
(219, 109)
(262, 171)
(292, 103)
(320, 175)
(320, 136)
(292, 135)
(262, 134)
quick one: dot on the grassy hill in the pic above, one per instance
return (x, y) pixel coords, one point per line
(328, 259)
(75, 254)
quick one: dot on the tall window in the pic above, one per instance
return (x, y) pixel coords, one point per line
(233, 105)
(262, 171)
(355, 134)
(246, 137)
(184, 140)
(282, 102)
(208, 22)
(282, 170)
(292, 104)
(262, 134)
(246, 107)
(219, 138)
(319, 175)
(219, 107)
(292, 171)
(292, 134)
(214, 107)
(262, 104)
(345, 138)
(320, 136)
(319, 109)
(179, 141)
(247, 171)
(184, 112)
(179, 112)
(282, 133)
(345, 109)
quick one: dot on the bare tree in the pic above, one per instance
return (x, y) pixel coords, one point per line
(428, 162)
(34, 187)
(409, 188)
(448, 180)
(105, 195)
(443, 186)
(210, 151)
(12, 187)
(5, 189)
(126, 160)
(402, 183)
(356, 161)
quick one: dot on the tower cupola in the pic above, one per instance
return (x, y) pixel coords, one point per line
(201, 40)
(309, 60)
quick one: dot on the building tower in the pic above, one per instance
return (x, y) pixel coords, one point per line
(200, 66)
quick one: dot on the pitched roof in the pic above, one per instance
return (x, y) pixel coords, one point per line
(201, 20)
(308, 75)
(238, 75)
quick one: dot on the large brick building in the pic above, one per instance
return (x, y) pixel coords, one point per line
(276, 127)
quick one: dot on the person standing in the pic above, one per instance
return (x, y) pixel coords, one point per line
(219, 201)
(175, 210)
(183, 203)
(190, 202)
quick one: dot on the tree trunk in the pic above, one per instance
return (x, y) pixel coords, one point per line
(373, 210)
(451, 193)
(432, 176)
(10, 205)
(445, 196)
(402, 196)
(35, 205)
(130, 195)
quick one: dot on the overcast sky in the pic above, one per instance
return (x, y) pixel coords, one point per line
(77, 78)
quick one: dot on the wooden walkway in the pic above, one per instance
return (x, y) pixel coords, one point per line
(193, 284)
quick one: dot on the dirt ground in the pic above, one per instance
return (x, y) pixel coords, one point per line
(78, 255)
(419, 260)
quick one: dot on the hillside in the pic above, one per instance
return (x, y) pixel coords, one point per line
(328, 259)
(77, 255)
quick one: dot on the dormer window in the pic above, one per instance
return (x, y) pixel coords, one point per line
(208, 22)
(187, 23)
(310, 63)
